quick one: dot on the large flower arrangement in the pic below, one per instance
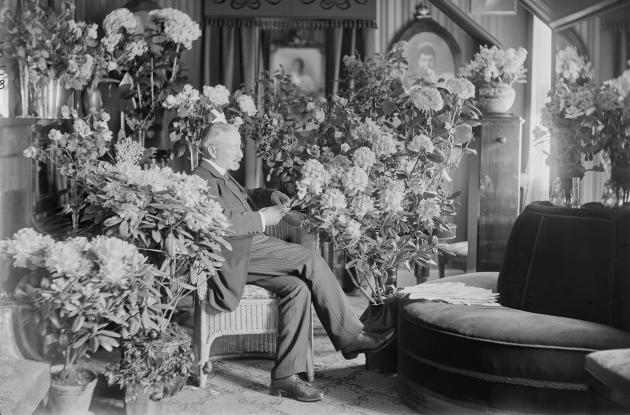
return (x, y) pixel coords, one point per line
(576, 114)
(614, 138)
(148, 57)
(83, 293)
(195, 110)
(52, 46)
(376, 177)
(494, 66)
(284, 126)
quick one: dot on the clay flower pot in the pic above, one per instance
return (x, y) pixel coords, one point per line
(68, 399)
(497, 99)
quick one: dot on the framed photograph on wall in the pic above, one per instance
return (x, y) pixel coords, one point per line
(306, 64)
(430, 45)
(504, 7)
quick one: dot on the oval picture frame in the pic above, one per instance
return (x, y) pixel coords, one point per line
(429, 44)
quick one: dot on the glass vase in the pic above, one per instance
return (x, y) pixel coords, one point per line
(24, 89)
(575, 192)
(75, 204)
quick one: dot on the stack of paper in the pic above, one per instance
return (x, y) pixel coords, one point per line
(453, 293)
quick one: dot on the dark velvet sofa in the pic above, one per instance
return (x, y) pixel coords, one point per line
(564, 289)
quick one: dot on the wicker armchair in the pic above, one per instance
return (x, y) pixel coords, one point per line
(250, 331)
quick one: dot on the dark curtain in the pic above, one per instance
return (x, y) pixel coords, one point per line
(341, 42)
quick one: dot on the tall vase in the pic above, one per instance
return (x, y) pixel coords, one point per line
(497, 99)
(75, 204)
(575, 192)
(49, 98)
(91, 100)
(24, 88)
(140, 136)
(620, 180)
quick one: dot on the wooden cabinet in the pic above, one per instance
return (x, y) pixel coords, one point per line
(494, 190)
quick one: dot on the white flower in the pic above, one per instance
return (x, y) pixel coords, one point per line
(237, 122)
(345, 147)
(30, 152)
(91, 31)
(420, 143)
(117, 259)
(170, 101)
(362, 205)
(26, 248)
(81, 128)
(65, 112)
(392, 198)
(111, 66)
(128, 151)
(333, 200)
(314, 177)
(219, 95)
(55, 135)
(427, 210)
(246, 104)
(384, 144)
(427, 99)
(462, 133)
(178, 26)
(68, 258)
(463, 88)
(353, 229)
(364, 157)
(418, 187)
(355, 179)
(111, 41)
(135, 49)
(120, 18)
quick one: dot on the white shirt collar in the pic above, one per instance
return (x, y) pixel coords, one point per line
(218, 168)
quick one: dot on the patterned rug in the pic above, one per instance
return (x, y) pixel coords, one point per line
(242, 387)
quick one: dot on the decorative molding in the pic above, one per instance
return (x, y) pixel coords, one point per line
(324, 4)
(286, 24)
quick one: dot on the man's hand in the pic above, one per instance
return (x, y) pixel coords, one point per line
(279, 198)
(273, 214)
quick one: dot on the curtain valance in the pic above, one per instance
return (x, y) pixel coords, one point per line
(284, 23)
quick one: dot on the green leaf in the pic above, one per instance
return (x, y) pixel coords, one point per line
(78, 323)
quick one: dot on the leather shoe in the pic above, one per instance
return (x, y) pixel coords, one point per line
(294, 387)
(368, 342)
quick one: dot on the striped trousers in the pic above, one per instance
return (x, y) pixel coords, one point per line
(298, 275)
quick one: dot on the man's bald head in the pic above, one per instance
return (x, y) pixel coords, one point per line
(221, 142)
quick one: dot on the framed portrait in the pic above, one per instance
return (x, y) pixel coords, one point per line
(430, 45)
(306, 64)
(505, 7)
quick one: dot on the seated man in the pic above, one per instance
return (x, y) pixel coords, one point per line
(294, 273)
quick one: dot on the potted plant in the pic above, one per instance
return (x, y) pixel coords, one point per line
(147, 60)
(77, 291)
(177, 223)
(493, 71)
(376, 178)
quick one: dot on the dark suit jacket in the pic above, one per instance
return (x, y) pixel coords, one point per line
(240, 206)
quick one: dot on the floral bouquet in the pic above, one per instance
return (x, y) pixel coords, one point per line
(83, 293)
(288, 120)
(79, 150)
(196, 110)
(375, 179)
(148, 57)
(577, 113)
(494, 66)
